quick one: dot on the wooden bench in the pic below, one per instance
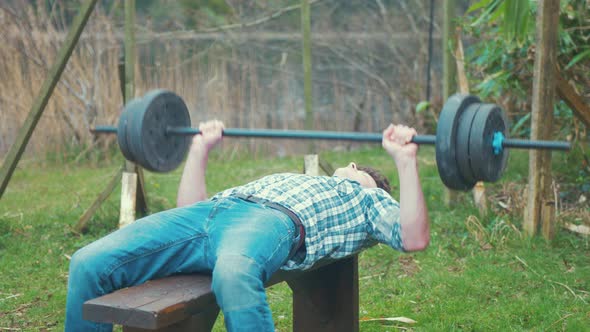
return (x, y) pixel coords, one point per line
(325, 298)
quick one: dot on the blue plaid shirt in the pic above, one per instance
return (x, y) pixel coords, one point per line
(340, 217)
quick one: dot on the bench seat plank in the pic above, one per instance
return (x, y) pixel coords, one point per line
(155, 304)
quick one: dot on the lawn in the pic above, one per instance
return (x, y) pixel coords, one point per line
(479, 273)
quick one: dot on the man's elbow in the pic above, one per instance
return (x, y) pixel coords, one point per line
(418, 243)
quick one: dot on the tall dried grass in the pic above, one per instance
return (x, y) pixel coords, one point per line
(86, 93)
(246, 84)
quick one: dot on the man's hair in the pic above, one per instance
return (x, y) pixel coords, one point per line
(379, 178)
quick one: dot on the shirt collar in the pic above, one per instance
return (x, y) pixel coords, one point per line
(347, 179)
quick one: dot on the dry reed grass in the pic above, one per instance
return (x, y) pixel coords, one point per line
(234, 81)
(83, 95)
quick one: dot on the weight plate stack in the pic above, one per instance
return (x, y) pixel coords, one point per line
(134, 132)
(446, 141)
(158, 151)
(462, 142)
(122, 130)
(486, 165)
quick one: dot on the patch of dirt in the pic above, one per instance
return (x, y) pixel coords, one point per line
(408, 265)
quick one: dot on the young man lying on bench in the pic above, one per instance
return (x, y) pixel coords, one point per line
(245, 234)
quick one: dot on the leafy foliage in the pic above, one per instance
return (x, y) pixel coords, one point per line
(501, 59)
(503, 67)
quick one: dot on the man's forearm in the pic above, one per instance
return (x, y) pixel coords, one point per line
(192, 186)
(413, 212)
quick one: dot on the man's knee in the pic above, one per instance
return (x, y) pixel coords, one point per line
(88, 264)
(238, 282)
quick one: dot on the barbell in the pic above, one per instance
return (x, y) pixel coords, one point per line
(154, 131)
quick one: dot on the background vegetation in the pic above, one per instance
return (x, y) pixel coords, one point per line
(500, 63)
(240, 61)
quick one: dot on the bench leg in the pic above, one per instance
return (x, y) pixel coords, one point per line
(327, 299)
(201, 322)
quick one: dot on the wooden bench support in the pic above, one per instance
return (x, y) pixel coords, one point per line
(326, 299)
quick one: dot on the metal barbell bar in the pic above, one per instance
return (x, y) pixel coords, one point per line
(470, 143)
(343, 136)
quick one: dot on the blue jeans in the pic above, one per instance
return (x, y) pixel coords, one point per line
(241, 243)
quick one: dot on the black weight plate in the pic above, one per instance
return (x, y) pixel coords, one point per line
(122, 127)
(134, 131)
(463, 156)
(486, 165)
(162, 152)
(446, 140)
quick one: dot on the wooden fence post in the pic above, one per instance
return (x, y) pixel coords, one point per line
(133, 197)
(539, 185)
(449, 70)
(479, 190)
(307, 84)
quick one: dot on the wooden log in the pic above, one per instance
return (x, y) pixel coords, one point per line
(139, 202)
(449, 71)
(539, 184)
(580, 229)
(479, 190)
(307, 69)
(576, 102)
(128, 192)
(311, 164)
(82, 224)
(326, 167)
(141, 206)
(548, 219)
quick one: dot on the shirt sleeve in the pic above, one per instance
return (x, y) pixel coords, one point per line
(383, 214)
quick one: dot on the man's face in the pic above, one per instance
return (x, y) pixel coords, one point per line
(352, 173)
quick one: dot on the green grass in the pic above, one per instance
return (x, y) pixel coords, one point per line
(478, 274)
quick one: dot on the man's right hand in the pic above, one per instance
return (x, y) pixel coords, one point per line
(192, 186)
(210, 136)
(397, 142)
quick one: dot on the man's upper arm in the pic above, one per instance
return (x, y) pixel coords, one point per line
(384, 216)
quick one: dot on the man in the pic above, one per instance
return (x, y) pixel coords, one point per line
(245, 234)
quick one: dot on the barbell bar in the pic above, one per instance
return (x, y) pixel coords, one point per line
(284, 134)
(347, 136)
(471, 139)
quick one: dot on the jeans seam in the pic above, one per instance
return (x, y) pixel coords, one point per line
(289, 234)
(120, 263)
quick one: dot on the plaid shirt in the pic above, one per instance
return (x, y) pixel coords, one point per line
(340, 217)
